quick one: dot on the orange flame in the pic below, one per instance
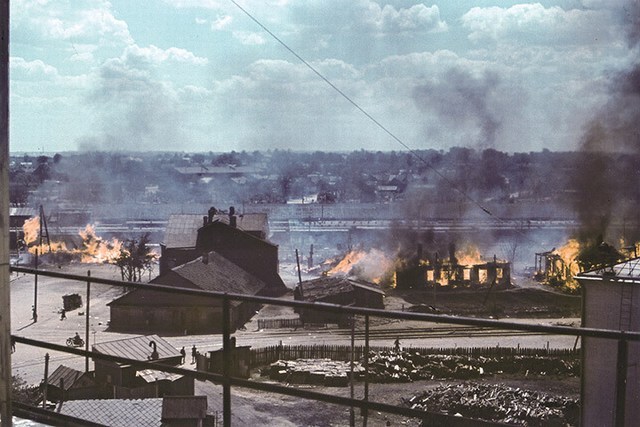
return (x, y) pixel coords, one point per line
(31, 229)
(372, 265)
(94, 249)
(469, 254)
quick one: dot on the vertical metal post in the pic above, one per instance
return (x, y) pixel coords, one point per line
(5, 291)
(35, 291)
(226, 362)
(352, 415)
(46, 381)
(87, 320)
(621, 382)
(365, 415)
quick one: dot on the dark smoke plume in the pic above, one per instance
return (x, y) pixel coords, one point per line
(462, 100)
(607, 175)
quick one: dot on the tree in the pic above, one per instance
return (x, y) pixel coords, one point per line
(135, 258)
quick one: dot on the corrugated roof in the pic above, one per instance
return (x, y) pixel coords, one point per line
(137, 348)
(626, 270)
(30, 212)
(68, 375)
(182, 230)
(117, 412)
(151, 375)
(184, 407)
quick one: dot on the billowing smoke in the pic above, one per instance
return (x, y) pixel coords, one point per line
(607, 176)
(462, 100)
(134, 112)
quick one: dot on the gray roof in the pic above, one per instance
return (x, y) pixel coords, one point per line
(137, 348)
(322, 287)
(68, 375)
(182, 229)
(30, 212)
(218, 274)
(117, 412)
(628, 270)
(152, 375)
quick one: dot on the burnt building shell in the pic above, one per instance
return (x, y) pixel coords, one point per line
(421, 274)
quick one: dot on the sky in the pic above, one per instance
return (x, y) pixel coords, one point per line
(203, 75)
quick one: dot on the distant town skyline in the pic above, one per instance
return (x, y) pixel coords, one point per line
(202, 75)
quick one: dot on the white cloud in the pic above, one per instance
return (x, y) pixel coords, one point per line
(157, 55)
(249, 38)
(418, 17)
(31, 70)
(221, 22)
(534, 23)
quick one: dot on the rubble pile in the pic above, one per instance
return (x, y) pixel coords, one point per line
(404, 366)
(313, 371)
(498, 403)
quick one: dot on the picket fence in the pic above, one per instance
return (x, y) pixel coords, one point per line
(267, 355)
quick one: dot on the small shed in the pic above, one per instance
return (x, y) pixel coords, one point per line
(66, 383)
(136, 348)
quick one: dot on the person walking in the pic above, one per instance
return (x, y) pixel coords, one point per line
(194, 352)
(34, 315)
(183, 354)
(63, 314)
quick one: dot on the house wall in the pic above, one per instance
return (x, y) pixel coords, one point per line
(609, 305)
(179, 319)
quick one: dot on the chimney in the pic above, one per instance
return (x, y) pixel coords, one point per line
(232, 217)
(212, 211)
(205, 258)
(204, 221)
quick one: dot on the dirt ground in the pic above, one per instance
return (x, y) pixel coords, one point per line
(250, 407)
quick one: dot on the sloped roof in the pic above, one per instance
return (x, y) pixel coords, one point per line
(21, 211)
(628, 270)
(68, 375)
(184, 407)
(182, 229)
(322, 287)
(152, 375)
(116, 412)
(218, 274)
(137, 348)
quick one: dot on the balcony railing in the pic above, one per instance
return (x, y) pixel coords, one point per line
(365, 405)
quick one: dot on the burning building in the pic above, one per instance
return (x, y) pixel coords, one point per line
(422, 272)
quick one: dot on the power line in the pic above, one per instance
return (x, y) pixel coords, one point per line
(451, 184)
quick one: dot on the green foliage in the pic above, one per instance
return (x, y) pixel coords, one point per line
(24, 393)
(135, 258)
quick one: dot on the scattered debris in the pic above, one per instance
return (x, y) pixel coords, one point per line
(498, 403)
(313, 371)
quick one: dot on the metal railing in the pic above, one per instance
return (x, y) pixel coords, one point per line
(365, 405)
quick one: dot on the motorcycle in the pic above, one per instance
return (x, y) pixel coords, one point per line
(75, 342)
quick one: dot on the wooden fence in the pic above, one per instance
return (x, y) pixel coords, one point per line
(267, 355)
(279, 323)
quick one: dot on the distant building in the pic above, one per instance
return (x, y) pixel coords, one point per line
(611, 300)
(144, 310)
(336, 290)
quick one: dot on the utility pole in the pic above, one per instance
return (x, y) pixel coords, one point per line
(5, 294)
